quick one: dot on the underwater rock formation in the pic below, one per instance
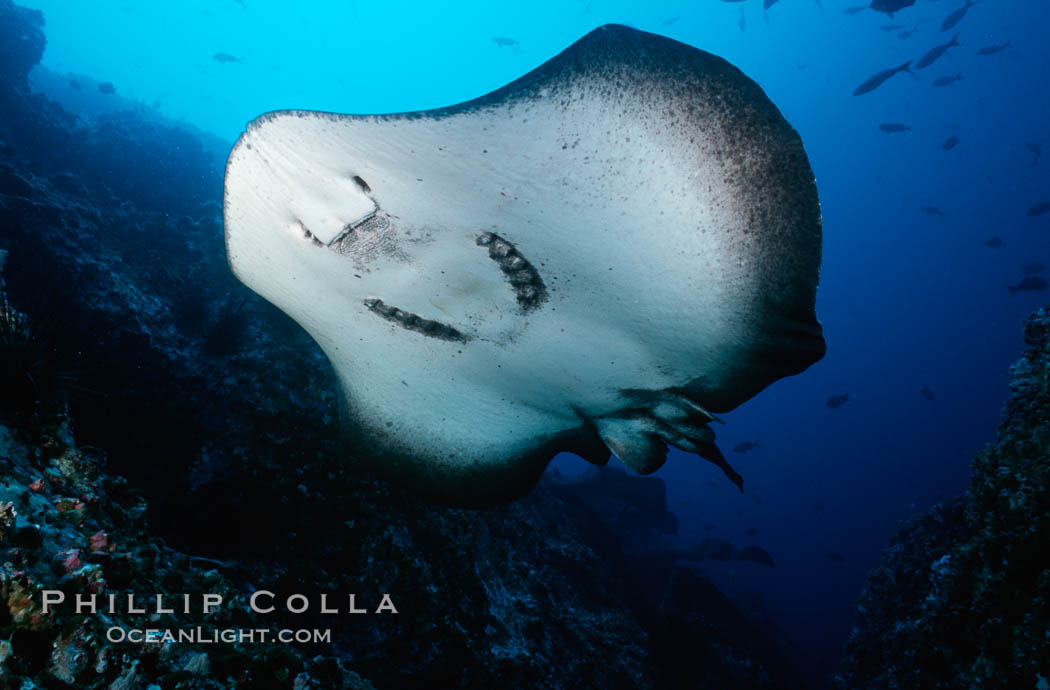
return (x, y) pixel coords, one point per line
(481, 599)
(70, 529)
(962, 597)
(21, 43)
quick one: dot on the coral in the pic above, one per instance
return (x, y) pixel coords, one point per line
(7, 520)
(513, 597)
(101, 550)
(962, 598)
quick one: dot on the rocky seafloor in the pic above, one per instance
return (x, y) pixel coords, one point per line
(164, 431)
(962, 596)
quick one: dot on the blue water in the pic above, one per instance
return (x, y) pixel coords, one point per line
(907, 299)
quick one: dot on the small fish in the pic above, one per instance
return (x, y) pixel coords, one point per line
(931, 56)
(1039, 209)
(712, 485)
(837, 401)
(837, 557)
(755, 496)
(107, 88)
(709, 526)
(894, 127)
(956, 16)
(950, 143)
(74, 84)
(890, 6)
(910, 32)
(504, 42)
(818, 507)
(745, 446)
(854, 10)
(891, 27)
(768, 3)
(1031, 269)
(1029, 284)
(928, 394)
(947, 79)
(993, 49)
(994, 242)
(932, 211)
(743, 21)
(671, 20)
(225, 57)
(751, 531)
(1036, 150)
(876, 80)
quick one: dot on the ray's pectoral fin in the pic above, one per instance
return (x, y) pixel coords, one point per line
(639, 436)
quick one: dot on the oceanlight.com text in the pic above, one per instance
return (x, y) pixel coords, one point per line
(200, 635)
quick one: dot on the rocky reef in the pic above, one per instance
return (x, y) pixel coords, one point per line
(506, 598)
(69, 529)
(173, 434)
(962, 597)
(21, 42)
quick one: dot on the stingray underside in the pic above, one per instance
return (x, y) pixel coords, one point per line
(601, 255)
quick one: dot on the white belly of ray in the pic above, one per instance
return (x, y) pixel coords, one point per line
(494, 280)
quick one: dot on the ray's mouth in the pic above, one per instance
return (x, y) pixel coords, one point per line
(521, 276)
